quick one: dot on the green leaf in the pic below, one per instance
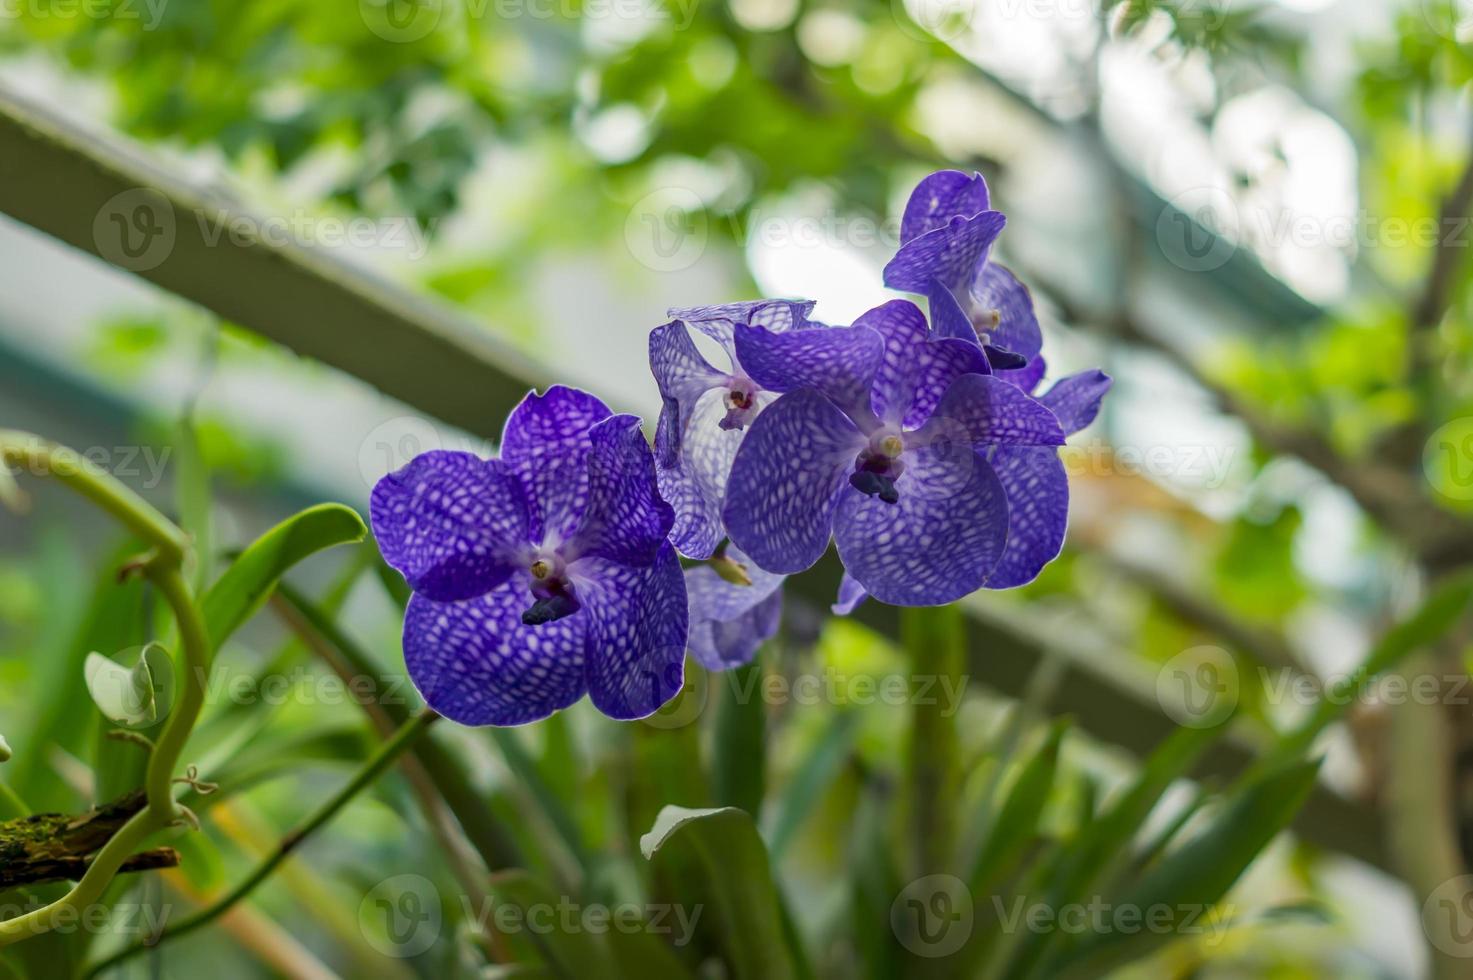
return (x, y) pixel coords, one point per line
(739, 755)
(726, 853)
(71, 621)
(524, 767)
(1017, 821)
(248, 582)
(1105, 843)
(1441, 611)
(136, 696)
(874, 883)
(1189, 881)
(193, 499)
(813, 778)
(569, 949)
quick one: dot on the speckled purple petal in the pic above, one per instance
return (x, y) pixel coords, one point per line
(938, 364)
(780, 501)
(625, 519)
(451, 522)
(839, 361)
(948, 319)
(984, 411)
(1075, 400)
(696, 485)
(902, 327)
(729, 622)
(1038, 512)
(477, 664)
(724, 644)
(950, 253)
(940, 197)
(713, 597)
(851, 596)
(1028, 376)
(683, 376)
(635, 659)
(937, 543)
(718, 322)
(545, 441)
(697, 529)
(995, 288)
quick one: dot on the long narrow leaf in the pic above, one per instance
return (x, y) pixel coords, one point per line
(723, 847)
(248, 582)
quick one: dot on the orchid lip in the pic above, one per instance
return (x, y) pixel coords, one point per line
(879, 465)
(741, 403)
(552, 591)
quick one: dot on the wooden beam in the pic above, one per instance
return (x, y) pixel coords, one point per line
(101, 195)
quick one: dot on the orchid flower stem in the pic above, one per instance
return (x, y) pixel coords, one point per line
(168, 546)
(195, 645)
(386, 755)
(32, 454)
(934, 640)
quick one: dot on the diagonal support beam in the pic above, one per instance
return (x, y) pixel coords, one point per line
(101, 195)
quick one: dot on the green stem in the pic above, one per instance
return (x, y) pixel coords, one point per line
(372, 768)
(33, 454)
(471, 810)
(168, 548)
(195, 647)
(934, 640)
(86, 892)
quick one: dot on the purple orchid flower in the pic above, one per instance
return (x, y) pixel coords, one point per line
(946, 235)
(540, 575)
(706, 411)
(729, 622)
(881, 440)
(1037, 489)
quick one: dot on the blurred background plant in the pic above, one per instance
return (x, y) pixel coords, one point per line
(1254, 215)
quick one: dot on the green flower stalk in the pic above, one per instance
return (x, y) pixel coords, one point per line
(168, 546)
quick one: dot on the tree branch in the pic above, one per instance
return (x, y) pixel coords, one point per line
(58, 846)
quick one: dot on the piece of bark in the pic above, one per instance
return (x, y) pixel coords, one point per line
(58, 846)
